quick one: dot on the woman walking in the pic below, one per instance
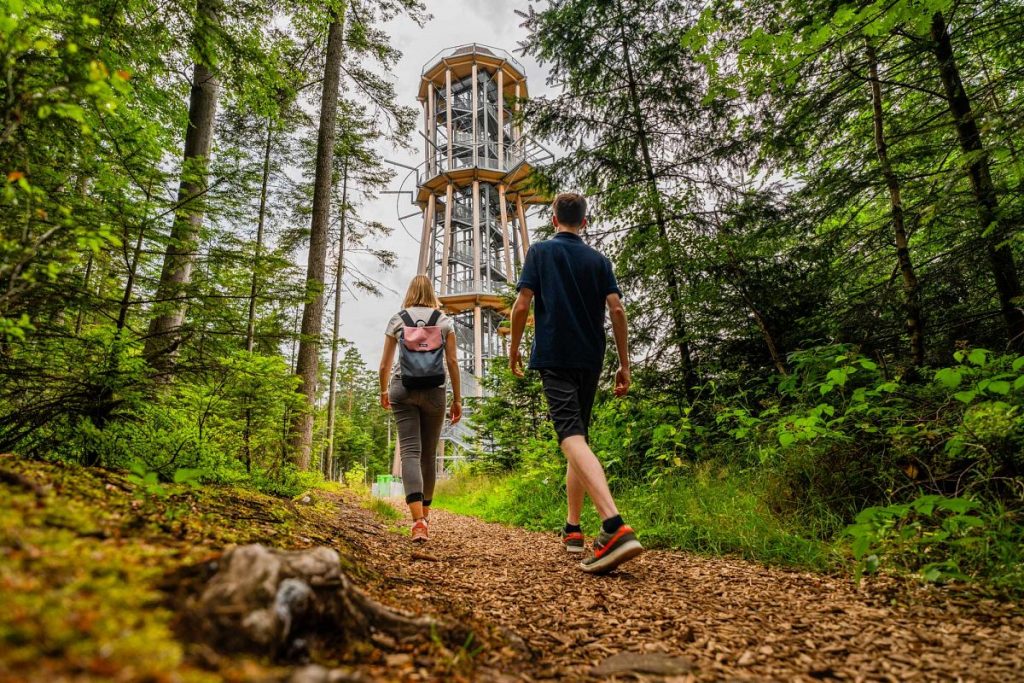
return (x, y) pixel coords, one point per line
(414, 389)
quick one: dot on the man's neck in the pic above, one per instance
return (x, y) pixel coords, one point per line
(571, 231)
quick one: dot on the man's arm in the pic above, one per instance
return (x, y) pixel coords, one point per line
(520, 311)
(618, 315)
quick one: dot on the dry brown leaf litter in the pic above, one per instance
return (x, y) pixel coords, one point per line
(541, 618)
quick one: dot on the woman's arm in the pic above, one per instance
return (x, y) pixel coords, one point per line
(384, 371)
(452, 360)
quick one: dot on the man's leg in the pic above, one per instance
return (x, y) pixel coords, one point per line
(570, 395)
(574, 492)
(590, 475)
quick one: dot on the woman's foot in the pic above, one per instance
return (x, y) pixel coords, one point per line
(420, 532)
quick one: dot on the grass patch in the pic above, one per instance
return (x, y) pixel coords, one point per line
(382, 508)
(710, 511)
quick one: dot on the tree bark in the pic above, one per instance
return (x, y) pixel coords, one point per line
(994, 232)
(332, 391)
(664, 245)
(911, 290)
(308, 363)
(169, 310)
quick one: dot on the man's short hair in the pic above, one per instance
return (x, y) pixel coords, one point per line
(570, 209)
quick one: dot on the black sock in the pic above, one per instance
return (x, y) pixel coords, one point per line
(573, 528)
(612, 524)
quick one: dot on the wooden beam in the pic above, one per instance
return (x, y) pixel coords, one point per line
(501, 118)
(476, 161)
(477, 284)
(428, 233)
(516, 130)
(448, 117)
(447, 237)
(505, 234)
(523, 232)
(478, 346)
(431, 131)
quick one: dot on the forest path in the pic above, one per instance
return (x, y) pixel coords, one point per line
(724, 619)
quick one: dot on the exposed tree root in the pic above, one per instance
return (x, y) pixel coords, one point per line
(264, 600)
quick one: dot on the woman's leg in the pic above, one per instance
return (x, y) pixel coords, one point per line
(431, 422)
(407, 419)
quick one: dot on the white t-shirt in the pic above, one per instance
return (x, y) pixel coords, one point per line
(418, 314)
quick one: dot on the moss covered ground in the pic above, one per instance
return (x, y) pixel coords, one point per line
(85, 556)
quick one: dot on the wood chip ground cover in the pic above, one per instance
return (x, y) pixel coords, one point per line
(84, 567)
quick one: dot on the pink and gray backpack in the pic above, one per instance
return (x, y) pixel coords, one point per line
(421, 352)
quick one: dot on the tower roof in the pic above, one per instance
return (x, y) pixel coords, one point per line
(460, 60)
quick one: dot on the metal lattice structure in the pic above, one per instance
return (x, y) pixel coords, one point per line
(474, 193)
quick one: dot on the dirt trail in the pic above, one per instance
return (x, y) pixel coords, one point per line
(725, 619)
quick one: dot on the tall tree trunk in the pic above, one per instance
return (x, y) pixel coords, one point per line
(994, 232)
(332, 391)
(82, 188)
(308, 363)
(169, 308)
(911, 290)
(250, 328)
(129, 285)
(664, 245)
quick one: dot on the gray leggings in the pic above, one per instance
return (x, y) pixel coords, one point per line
(419, 414)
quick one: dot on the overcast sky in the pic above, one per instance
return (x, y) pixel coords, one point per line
(454, 22)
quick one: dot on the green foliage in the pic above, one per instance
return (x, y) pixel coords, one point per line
(776, 475)
(942, 539)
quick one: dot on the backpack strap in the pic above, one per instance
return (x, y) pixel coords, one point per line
(406, 318)
(434, 318)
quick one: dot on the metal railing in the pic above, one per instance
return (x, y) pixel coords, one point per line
(474, 48)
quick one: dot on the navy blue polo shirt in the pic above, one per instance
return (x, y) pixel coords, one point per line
(570, 282)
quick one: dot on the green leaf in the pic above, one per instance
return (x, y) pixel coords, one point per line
(186, 476)
(1018, 364)
(978, 357)
(964, 396)
(787, 438)
(949, 377)
(998, 386)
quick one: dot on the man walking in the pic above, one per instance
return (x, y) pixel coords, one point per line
(571, 284)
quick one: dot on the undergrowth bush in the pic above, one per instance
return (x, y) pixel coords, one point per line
(774, 470)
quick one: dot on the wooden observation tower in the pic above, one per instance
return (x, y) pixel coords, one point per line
(474, 193)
